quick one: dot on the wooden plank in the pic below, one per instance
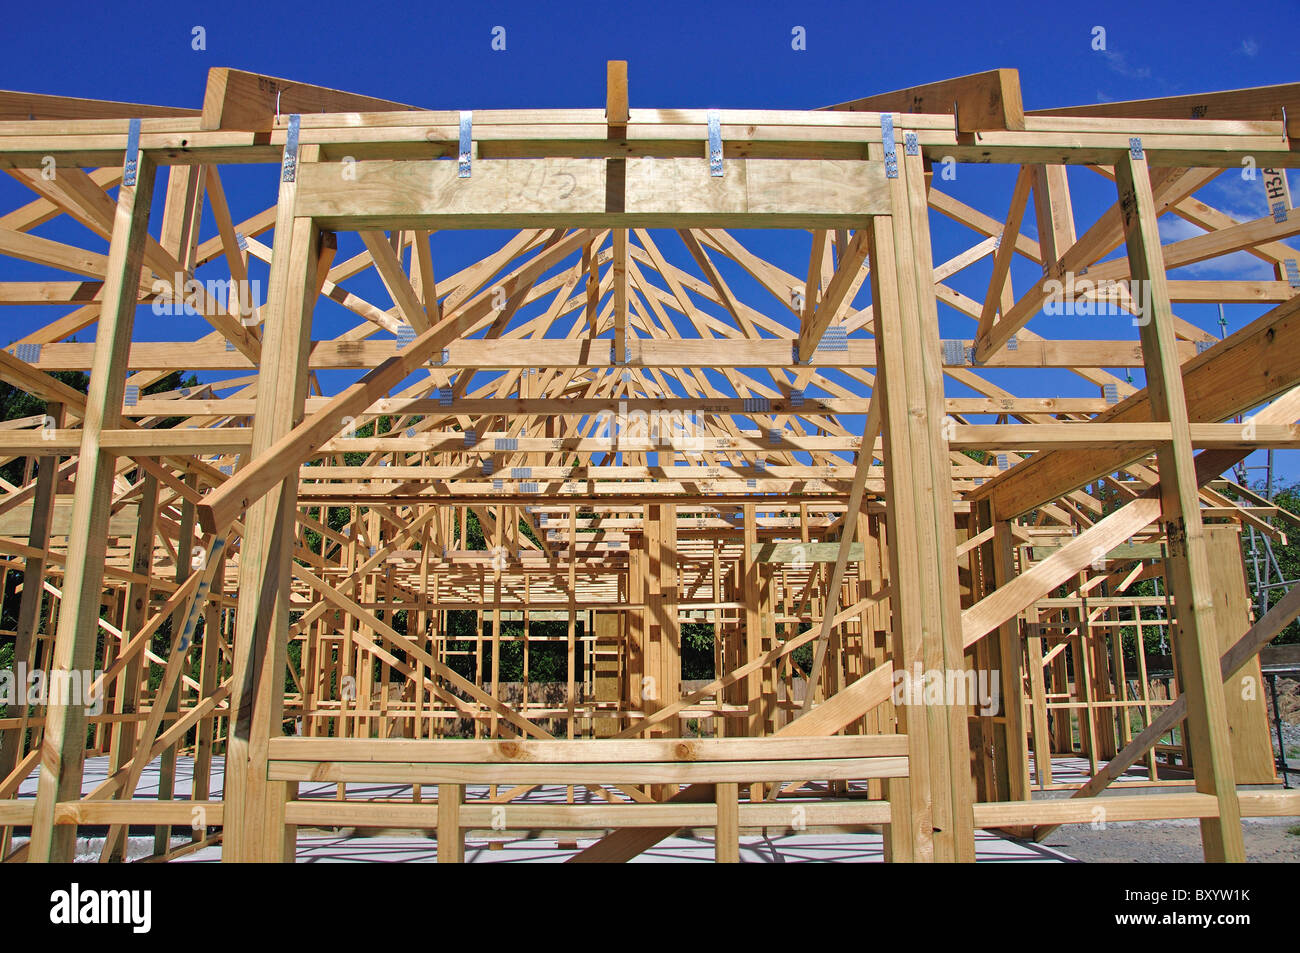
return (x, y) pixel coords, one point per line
(980, 101)
(686, 772)
(640, 750)
(642, 352)
(24, 107)
(616, 111)
(1054, 211)
(395, 280)
(1108, 809)
(522, 816)
(998, 284)
(573, 193)
(1260, 102)
(802, 553)
(63, 746)
(237, 99)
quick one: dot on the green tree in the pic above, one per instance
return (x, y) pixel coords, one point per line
(1288, 554)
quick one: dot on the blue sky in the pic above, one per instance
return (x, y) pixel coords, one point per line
(717, 54)
(681, 54)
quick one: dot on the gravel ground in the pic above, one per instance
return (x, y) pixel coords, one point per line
(1173, 842)
(1291, 735)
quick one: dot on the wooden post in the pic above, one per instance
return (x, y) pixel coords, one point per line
(63, 746)
(634, 642)
(451, 840)
(606, 649)
(29, 608)
(167, 761)
(1248, 729)
(209, 678)
(254, 807)
(1054, 211)
(1189, 565)
(1038, 701)
(1081, 655)
(661, 597)
(936, 823)
(127, 700)
(753, 624)
(1013, 772)
(726, 837)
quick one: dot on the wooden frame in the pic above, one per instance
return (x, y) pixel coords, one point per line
(831, 494)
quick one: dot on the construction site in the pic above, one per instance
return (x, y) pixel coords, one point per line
(738, 489)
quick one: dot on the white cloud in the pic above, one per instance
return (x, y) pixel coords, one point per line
(1175, 229)
(1238, 266)
(1118, 62)
(1240, 198)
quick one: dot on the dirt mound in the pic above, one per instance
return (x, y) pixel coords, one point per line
(1288, 701)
